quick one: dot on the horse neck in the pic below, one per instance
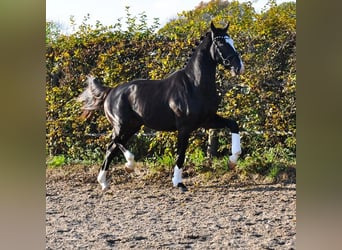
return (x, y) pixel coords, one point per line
(201, 68)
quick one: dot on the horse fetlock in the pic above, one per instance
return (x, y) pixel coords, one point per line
(182, 187)
(233, 158)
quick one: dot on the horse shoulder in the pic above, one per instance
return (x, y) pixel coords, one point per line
(181, 96)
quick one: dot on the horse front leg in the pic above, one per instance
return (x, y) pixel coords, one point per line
(236, 150)
(220, 122)
(182, 144)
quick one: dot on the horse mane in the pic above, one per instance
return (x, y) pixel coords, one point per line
(197, 43)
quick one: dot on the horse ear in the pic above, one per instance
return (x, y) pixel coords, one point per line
(226, 28)
(212, 26)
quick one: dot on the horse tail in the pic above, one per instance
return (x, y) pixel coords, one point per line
(93, 96)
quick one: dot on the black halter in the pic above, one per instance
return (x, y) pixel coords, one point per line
(225, 61)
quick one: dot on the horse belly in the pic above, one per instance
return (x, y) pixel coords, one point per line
(160, 120)
(149, 102)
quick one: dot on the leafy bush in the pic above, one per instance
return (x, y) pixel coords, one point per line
(267, 161)
(262, 100)
(56, 161)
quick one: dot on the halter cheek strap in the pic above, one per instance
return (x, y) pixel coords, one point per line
(225, 61)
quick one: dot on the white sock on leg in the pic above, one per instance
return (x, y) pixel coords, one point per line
(101, 178)
(130, 161)
(177, 176)
(236, 148)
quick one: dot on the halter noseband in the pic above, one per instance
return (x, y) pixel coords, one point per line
(225, 61)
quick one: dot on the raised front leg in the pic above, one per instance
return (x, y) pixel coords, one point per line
(236, 150)
(220, 122)
(182, 144)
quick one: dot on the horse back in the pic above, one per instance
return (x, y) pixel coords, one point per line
(158, 104)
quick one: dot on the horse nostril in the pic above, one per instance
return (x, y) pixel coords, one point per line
(233, 71)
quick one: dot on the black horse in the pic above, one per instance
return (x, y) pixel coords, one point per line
(184, 101)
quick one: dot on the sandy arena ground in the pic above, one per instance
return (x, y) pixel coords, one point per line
(134, 213)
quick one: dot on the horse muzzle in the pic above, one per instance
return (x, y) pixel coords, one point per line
(237, 71)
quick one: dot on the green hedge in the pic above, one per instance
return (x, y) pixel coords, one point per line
(262, 100)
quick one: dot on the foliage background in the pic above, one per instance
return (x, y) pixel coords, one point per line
(263, 100)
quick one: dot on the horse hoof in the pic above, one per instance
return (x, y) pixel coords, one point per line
(104, 187)
(129, 170)
(231, 165)
(182, 187)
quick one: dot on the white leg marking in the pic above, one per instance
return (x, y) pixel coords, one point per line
(236, 148)
(177, 176)
(129, 158)
(101, 178)
(130, 161)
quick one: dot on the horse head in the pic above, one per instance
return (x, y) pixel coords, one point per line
(222, 50)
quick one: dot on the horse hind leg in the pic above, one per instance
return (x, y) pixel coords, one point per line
(111, 150)
(120, 137)
(101, 178)
(127, 134)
